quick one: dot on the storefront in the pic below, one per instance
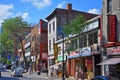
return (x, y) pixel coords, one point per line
(113, 62)
(81, 62)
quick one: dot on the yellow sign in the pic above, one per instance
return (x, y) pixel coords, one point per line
(55, 50)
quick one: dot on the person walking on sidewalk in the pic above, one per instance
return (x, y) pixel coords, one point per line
(56, 72)
(47, 72)
(76, 75)
(51, 72)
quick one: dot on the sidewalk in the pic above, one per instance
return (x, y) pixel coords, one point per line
(44, 75)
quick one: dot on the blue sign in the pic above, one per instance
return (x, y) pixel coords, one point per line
(9, 57)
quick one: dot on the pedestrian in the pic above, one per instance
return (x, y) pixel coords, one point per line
(30, 69)
(76, 75)
(51, 72)
(56, 72)
(47, 72)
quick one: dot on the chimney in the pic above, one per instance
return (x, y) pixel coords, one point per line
(69, 6)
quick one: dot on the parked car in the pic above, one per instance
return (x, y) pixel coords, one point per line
(8, 66)
(20, 69)
(100, 78)
(16, 73)
(13, 67)
(105, 78)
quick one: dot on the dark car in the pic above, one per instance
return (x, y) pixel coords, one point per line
(105, 78)
(100, 78)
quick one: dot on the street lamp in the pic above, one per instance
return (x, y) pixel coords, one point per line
(63, 78)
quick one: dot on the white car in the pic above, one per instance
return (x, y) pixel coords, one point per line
(16, 73)
(20, 69)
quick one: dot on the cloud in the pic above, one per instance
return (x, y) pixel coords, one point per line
(25, 15)
(5, 11)
(94, 11)
(40, 4)
(60, 5)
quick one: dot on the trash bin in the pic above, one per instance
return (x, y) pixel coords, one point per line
(38, 73)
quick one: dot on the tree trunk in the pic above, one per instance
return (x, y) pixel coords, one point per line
(23, 52)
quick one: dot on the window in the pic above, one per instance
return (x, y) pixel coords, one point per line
(95, 35)
(85, 40)
(74, 44)
(53, 41)
(92, 38)
(49, 28)
(53, 25)
(80, 42)
(50, 45)
(109, 6)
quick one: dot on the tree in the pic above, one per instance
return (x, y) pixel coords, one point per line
(6, 45)
(77, 26)
(16, 30)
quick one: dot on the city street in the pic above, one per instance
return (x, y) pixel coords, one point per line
(6, 75)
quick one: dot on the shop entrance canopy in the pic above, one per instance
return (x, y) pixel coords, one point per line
(111, 61)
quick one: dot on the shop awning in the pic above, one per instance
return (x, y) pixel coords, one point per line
(110, 61)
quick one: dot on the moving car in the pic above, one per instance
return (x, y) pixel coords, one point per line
(16, 73)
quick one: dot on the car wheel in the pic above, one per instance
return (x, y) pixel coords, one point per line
(21, 75)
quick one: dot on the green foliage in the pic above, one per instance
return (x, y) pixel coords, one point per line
(76, 26)
(13, 30)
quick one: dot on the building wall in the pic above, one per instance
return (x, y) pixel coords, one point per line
(115, 11)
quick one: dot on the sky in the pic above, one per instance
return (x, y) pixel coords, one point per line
(34, 10)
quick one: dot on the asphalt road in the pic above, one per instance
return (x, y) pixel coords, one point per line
(6, 75)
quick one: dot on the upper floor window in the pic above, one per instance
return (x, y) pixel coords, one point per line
(109, 6)
(74, 45)
(93, 38)
(85, 40)
(50, 45)
(49, 28)
(53, 41)
(53, 25)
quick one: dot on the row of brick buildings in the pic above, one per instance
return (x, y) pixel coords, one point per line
(87, 51)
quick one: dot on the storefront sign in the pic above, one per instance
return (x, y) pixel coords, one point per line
(44, 55)
(60, 58)
(113, 50)
(86, 51)
(89, 62)
(72, 53)
(112, 28)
